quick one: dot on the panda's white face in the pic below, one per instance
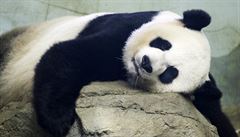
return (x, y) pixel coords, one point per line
(167, 57)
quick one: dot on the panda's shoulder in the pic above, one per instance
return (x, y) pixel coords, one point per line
(117, 21)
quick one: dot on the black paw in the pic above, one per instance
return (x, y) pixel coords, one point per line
(57, 126)
(208, 91)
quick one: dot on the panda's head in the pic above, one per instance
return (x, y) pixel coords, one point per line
(170, 53)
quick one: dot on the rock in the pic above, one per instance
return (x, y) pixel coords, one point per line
(18, 120)
(112, 109)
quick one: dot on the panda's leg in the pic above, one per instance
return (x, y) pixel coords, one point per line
(207, 101)
(55, 107)
(56, 88)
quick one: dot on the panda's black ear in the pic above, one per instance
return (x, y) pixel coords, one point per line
(196, 19)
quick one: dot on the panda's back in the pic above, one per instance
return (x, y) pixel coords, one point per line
(22, 48)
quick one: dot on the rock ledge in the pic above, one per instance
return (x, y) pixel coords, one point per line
(112, 109)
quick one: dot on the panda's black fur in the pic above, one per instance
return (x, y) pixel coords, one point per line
(66, 67)
(207, 101)
(96, 55)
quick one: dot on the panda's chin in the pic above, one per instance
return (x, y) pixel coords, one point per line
(138, 78)
(137, 81)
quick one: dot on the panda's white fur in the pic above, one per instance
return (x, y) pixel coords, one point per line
(16, 79)
(190, 54)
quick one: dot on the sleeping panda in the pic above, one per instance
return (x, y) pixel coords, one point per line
(156, 51)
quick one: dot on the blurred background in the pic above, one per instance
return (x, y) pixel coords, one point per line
(223, 33)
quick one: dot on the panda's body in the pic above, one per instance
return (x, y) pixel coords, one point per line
(27, 49)
(57, 58)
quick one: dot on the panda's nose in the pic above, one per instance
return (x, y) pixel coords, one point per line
(146, 64)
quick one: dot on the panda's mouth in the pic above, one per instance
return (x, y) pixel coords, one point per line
(135, 66)
(139, 71)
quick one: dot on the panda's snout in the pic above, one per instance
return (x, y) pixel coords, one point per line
(146, 64)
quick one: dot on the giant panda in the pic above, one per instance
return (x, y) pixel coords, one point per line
(156, 51)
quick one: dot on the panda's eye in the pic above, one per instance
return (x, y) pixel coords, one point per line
(168, 75)
(160, 44)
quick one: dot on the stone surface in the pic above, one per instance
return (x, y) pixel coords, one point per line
(15, 13)
(226, 72)
(223, 32)
(18, 120)
(113, 109)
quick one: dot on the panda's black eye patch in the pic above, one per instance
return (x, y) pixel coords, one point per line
(168, 75)
(160, 44)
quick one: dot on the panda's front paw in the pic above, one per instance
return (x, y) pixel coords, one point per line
(207, 97)
(57, 127)
(208, 92)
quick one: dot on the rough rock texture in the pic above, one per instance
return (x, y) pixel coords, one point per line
(18, 120)
(113, 109)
